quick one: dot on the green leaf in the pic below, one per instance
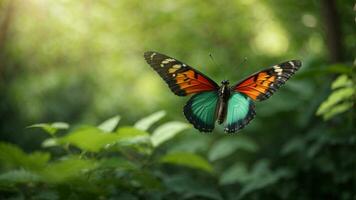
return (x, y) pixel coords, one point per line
(46, 195)
(93, 139)
(133, 138)
(167, 131)
(226, 146)
(50, 142)
(293, 145)
(110, 124)
(191, 142)
(261, 176)
(264, 181)
(335, 97)
(12, 156)
(191, 187)
(145, 123)
(132, 134)
(341, 81)
(19, 176)
(145, 179)
(64, 170)
(187, 160)
(338, 109)
(89, 139)
(52, 128)
(109, 163)
(236, 173)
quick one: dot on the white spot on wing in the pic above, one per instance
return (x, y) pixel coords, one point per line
(291, 63)
(177, 66)
(278, 70)
(168, 60)
(152, 55)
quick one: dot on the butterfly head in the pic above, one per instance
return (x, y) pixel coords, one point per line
(225, 82)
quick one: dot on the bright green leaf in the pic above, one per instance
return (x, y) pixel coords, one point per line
(50, 142)
(167, 131)
(340, 108)
(145, 123)
(52, 128)
(131, 135)
(226, 146)
(110, 124)
(341, 81)
(335, 97)
(133, 138)
(90, 139)
(187, 160)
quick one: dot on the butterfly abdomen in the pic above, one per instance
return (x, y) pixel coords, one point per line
(221, 109)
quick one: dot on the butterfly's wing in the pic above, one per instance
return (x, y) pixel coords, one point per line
(240, 111)
(200, 110)
(181, 78)
(263, 84)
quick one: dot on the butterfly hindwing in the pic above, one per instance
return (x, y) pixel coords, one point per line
(261, 85)
(240, 111)
(200, 110)
(181, 78)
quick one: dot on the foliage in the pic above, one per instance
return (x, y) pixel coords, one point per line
(340, 100)
(127, 162)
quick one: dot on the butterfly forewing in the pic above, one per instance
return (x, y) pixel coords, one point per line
(261, 85)
(181, 78)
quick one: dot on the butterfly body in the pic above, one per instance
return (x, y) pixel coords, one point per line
(212, 103)
(224, 96)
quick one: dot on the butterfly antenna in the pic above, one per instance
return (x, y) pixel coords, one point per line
(243, 62)
(221, 69)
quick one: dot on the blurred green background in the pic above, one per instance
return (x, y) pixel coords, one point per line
(81, 62)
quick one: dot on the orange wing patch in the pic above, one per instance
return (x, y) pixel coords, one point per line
(192, 82)
(263, 84)
(181, 78)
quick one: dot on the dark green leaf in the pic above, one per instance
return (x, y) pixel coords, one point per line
(190, 188)
(236, 173)
(226, 146)
(12, 157)
(66, 169)
(19, 176)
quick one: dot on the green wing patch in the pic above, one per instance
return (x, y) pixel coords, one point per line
(240, 111)
(200, 110)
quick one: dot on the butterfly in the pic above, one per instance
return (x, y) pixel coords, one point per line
(233, 105)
